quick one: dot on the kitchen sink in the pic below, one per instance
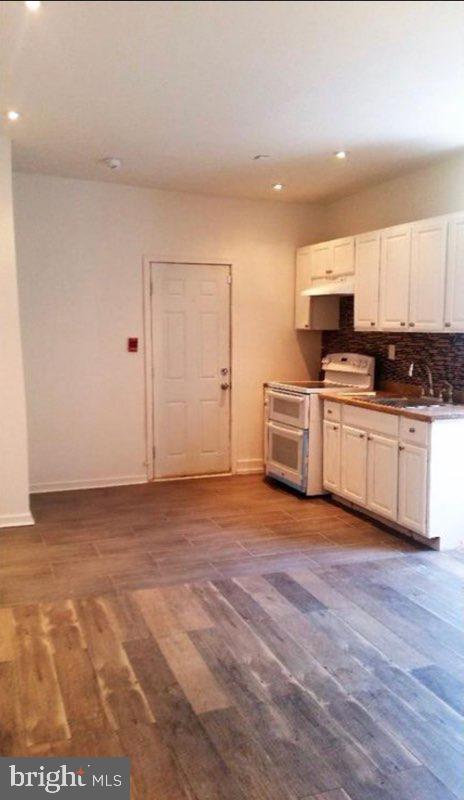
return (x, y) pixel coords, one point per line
(405, 402)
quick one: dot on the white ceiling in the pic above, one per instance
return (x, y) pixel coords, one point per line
(187, 92)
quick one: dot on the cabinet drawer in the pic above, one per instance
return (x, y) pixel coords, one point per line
(414, 431)
(371, 420)
(332, 411)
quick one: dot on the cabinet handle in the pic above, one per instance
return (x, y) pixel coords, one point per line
(402, 324)
(372, 323)
(447, 324)
(369, 438)
(361, 435)
(306, 324)
(400, 447)
(412, 430)
(329, 411)
(335, 428)
(411, 324)
(328, 271)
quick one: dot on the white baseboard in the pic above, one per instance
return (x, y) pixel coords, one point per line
(249, 466)
(16, 520)
(93, 483)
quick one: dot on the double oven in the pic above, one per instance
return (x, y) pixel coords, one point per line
(293, 420)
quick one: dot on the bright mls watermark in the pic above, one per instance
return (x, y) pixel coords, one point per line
(98, 778)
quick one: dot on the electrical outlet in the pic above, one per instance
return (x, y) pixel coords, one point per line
(391, 352)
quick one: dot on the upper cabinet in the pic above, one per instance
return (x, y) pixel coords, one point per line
(395, 263)
(312, 313)
(408, 278)
(413, 276)
(332, 259)
(428, 274)
(366, 281)
(454, 306)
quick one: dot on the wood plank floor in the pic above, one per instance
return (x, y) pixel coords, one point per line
(236, 641)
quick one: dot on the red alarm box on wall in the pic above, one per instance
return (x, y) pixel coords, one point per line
(132, 344)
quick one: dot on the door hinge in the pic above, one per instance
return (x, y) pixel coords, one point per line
(229, 279)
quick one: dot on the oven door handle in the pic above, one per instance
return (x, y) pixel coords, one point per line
(295, 398)
(293, 433)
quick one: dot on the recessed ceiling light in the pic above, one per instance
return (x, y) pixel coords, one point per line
(13, 115)
(33, 5)
(278, 187)
(341, 154)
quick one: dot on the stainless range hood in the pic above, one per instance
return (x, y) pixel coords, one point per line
(343, 285)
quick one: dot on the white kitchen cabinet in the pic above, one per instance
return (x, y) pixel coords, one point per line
(395, 263)
(366, 287)
(332, 259)
(332, 453)
(312, 313)
(382, 475)
(454, 306)
(412, 491)
(404, 470)
(354, 464)
(322, 260)
(343, 256)
(428, 273)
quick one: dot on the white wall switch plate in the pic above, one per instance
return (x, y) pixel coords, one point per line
(391, 352)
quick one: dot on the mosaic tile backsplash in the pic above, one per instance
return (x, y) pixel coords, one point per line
(443, 352)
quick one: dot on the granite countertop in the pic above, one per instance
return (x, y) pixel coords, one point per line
(445, 411)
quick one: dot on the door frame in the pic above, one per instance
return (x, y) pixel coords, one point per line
(148, 261)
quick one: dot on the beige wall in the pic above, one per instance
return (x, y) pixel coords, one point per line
(14, 482)
(435, 190)
(80, 248)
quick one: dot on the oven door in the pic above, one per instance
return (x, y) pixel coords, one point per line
(291, 409)
(287, 450)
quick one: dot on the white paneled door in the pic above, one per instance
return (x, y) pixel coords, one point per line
(191, 368)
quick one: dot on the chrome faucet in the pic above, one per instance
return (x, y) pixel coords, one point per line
(426, 368)
(447, 392)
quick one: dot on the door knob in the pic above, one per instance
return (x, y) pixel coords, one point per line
(224, 371)
(225, 386)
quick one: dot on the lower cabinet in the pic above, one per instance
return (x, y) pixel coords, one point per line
(332, 453)
(354, 464)
(382, 475)
(380, 472)
(412, 494)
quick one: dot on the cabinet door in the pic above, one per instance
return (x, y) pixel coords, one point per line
(395, 263)
(382, 475)
(302, 281)
(428, 268)
(454, 308)
(331, 456)
(343, 256)
(354, 464)
(322, 260)
(412, 493)
(366, 281)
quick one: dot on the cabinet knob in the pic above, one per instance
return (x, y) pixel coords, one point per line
(411, 324)
(401, 447)
(402, 324)
(361, 435)
(329, 411)
(447, 324)
(306, 324)
(328, 271)
(372, 323)
(335, 428)
(412, 430)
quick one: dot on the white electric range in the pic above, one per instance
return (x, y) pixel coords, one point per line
(293, 419)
